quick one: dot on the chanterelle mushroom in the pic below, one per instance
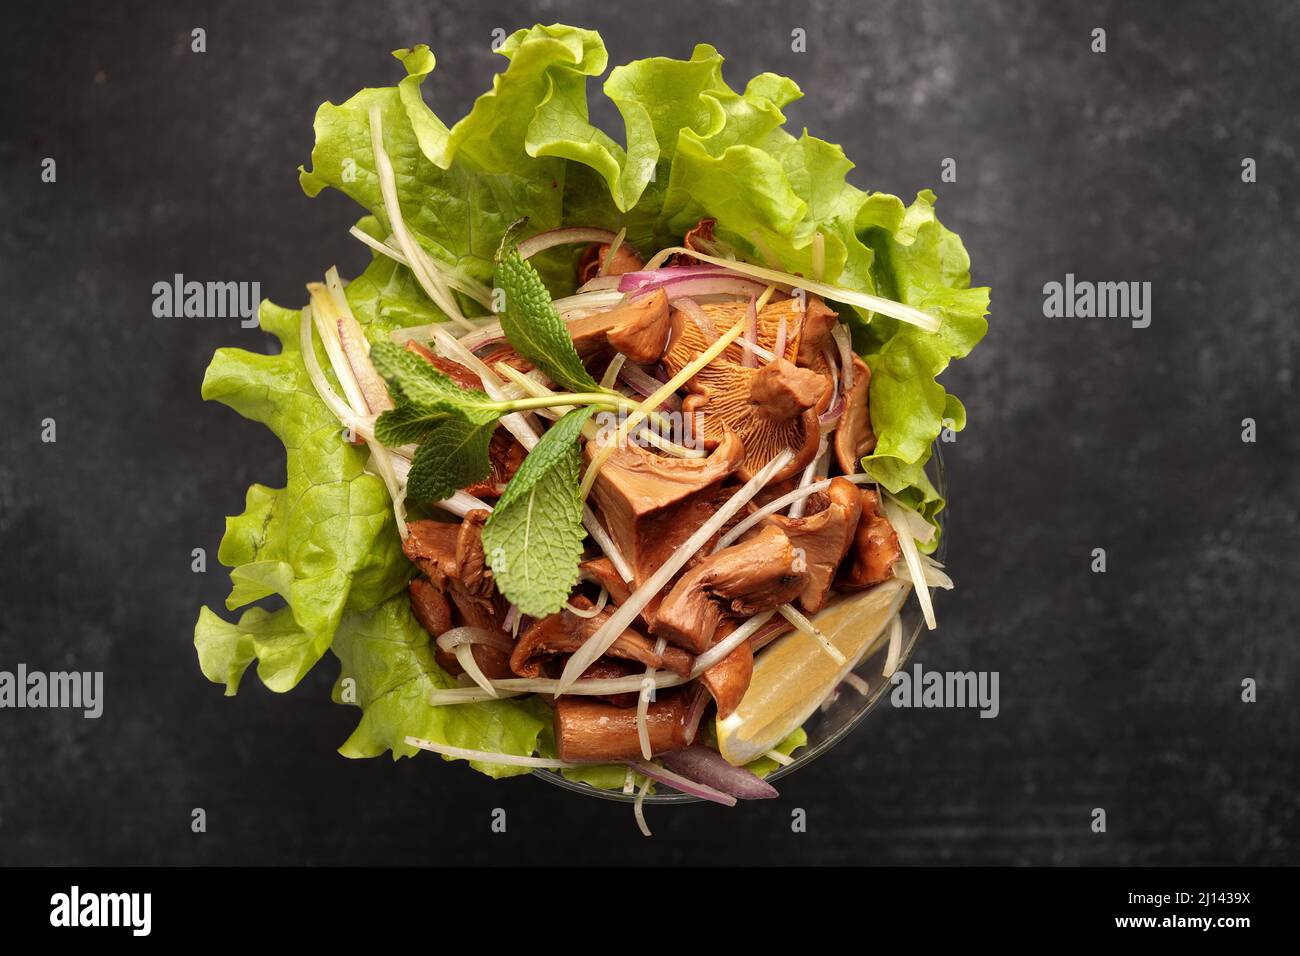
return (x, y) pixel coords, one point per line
(821, 540)
(650, 502)
(874, 550)
(637, 328)
(596, 257)
(854, 437)
(772, 407)
(757, 574)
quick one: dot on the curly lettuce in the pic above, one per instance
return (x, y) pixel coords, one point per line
(324, 550)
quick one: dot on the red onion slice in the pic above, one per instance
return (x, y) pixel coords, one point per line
(750, 358)
(646, 385)
(709, 768)
(648, 279)
(704, 285)
(560, 237)
(678, 782)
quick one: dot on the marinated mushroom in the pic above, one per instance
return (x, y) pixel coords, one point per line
(592, 262)
(823, 539)
(589, 731)
(638, 328)
(451, 556)
(564, 633)
(727, 680)
(651, 502)
(854, 437)
(757, 574)
(771, 407)
(874, 550)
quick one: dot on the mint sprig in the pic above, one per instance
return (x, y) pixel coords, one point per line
(531, 323)
(533, 538)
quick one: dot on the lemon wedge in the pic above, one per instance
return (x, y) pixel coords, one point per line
(794, 675)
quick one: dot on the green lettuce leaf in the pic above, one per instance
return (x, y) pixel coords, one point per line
(325, 543)
(388, 670)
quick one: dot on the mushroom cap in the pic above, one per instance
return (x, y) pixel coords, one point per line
(651, 503)
(724, 389)
(874, 550)
(854, 436)
(824, 539)
(638, 328)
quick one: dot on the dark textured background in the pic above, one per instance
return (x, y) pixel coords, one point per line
(1118, 690)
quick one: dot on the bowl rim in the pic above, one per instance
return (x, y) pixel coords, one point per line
(939, 477)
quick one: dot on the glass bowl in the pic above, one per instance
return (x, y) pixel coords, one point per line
(832, 722)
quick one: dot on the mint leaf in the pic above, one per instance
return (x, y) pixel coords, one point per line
(454, 456)
(533, 538)
(533, 326)
(412, 379)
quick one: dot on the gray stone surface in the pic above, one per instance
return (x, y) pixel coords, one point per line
(1118, 690)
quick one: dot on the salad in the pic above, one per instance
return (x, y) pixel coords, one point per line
(611, 462)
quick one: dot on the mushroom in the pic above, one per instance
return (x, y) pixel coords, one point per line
(602, 571)
(651, 503)
(638, 328)
(430, 607)
(822, 540)
(564, 633)
(592, 261)
(771, 408)
(590, 731)
(431, 547)
(727, 680)
(757, 574)
(874, 549)
(451, 555)
(853, 436)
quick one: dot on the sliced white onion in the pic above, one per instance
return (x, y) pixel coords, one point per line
(465, 657)
(600, 283)
(720, 650)
(591, 611)
(806, 479)
(429, 279)
(638, 808)
(777, 757)
(643, 702)
(772, 507)
(698, 316)
(629, 780)
(782, 331)
(844, 343)
(606, 543)
(487, 756)
(895, 646)
(857, 683)
(895, 514)
(799, 620)
(896, 310)
(600, 641)
(465, 636)
(455, 278)
(646, 385)
(562, 237)
(611, 373)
